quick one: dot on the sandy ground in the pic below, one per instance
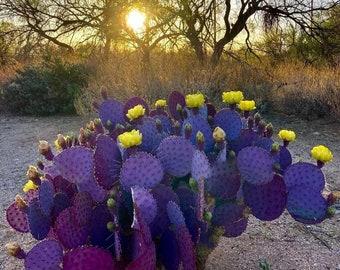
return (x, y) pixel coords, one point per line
(283, 243)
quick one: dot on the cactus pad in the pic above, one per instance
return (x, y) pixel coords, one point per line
(145, 202)
(230, 216)
(175, 154)
(174, 99)
(141, 169)
(70, 234)
(17, 218)
(230, 122)
(306, 205)
(47, 254)
(199, 123)
(88, 258)
(107, 161)
(111, 111)
(200, 166)
(266, 201)
(39, 223)
(75, 164)
(255, 165)
(305, 174)
(46, 194)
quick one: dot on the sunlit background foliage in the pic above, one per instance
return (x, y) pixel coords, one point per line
(284, 54)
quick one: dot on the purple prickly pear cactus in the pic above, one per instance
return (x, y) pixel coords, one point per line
(156, 198)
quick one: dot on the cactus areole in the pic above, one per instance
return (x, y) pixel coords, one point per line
(159, 192)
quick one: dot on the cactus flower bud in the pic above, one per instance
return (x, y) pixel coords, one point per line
(45, 150)
(15, 250)
(33, 175)
(219, 135)
(60, 142)
(110, 226)
(200, 140)
(110, 203)
(21, 203)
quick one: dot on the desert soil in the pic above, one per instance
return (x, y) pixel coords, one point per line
(284, 243)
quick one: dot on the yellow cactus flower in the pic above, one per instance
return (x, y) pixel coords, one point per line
(194, 101)
(287, 135)
(322, 153)
(129, 139)
(29, 185)
(247, 105)
(160, 103)
(135, 112)
(232, 97)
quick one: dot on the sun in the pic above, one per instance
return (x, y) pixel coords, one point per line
(135, 19)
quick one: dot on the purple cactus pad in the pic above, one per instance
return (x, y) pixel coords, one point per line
(107, 161)
(255, 165)
(75, 164)
(145, 203)
(175, 214)
(141, 169)
(17, 218)
(268, 201)
(111, 111)
(200, 166)
(305, 174)
(82, 209)
(175, 154)
(46, 194)
(45, 255)
(39, 223)
(306, 205)
(230, 122)
(174, 99)
(88, 258)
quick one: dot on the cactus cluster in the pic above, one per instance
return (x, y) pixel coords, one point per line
(162, 195)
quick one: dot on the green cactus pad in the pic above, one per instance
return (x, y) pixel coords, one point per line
(141, 169)
(175, 154)
(305, 174)
(255, 165)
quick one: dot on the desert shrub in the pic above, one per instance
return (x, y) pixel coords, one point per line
(49, 88)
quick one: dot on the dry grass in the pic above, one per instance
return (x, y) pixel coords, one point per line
(307, 91)
(290, 88)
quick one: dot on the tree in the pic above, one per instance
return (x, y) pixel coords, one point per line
(198, 19)
(66, 23)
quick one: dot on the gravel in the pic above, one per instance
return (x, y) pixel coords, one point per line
(284, 243)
